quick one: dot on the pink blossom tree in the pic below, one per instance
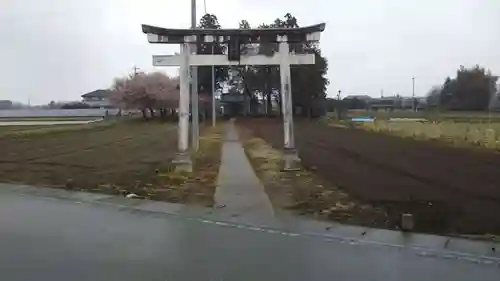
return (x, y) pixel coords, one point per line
(164, 91)
(147, 92)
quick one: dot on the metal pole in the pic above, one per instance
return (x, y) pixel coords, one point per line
(213, 90)
(338, 108)
(413, 94)
(214, 117)
(194, 88)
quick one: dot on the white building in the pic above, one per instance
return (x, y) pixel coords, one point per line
(98, 98)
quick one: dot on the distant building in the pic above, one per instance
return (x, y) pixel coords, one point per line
(352, 102)
(98, 98)
(397, 102)
(5, 104)
(387, 103)
(359, 97)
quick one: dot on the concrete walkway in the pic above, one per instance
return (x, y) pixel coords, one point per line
(239, 191)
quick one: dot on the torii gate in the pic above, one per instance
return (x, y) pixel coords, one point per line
(234, 38)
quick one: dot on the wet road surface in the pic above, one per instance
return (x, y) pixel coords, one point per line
(43, 238)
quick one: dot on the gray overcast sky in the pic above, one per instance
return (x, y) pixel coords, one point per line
(60, 49)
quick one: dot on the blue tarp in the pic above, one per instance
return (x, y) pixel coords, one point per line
(363, 119)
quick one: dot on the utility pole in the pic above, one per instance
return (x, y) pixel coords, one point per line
(338, 108)
(413, 94)
(213, 89)
(135, 70)
(195, 133)
(214, 116)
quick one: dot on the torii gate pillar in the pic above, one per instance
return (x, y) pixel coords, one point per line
(182, 160)
(291, 159)
(235, 37)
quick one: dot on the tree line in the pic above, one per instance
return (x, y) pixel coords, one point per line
(473, 89)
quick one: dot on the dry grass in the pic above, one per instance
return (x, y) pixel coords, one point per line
(456, 116)
(484, 135)
(198, 186)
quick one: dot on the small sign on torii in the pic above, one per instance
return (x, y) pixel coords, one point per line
(234, 38)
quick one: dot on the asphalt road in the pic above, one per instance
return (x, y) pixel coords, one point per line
(53, 239)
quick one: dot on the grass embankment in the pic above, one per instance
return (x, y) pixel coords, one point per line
(29, 130)
(50, 118)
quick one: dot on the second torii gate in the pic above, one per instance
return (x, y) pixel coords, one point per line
(234, 38)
